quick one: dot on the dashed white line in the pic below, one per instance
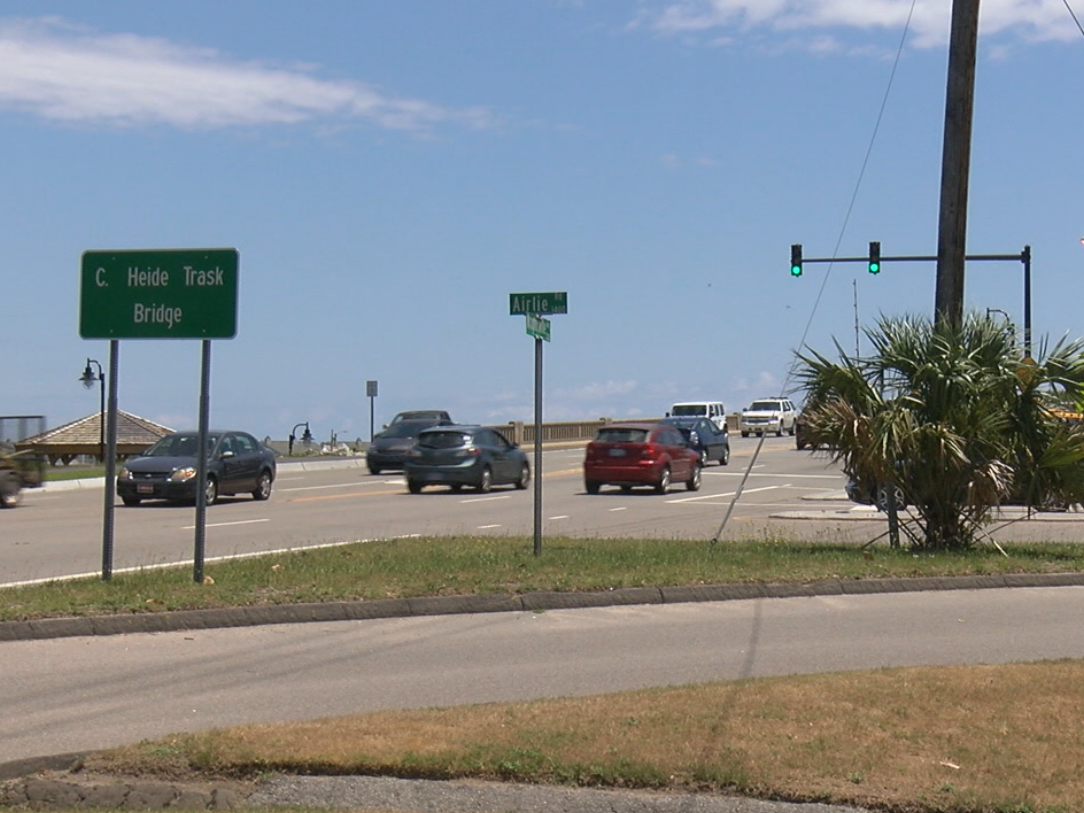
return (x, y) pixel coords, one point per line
(225, 524)
(729, 494)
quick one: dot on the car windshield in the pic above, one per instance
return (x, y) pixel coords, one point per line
(688, 409)
(404, 430)
(443, 440)
(420, 415)
(620, 435)
(178, 446)
(764, 406)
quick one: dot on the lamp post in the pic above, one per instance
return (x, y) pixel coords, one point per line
(305, 438)
(1010, 328)
(88, 378)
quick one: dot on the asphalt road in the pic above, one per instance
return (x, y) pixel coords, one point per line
(76, 694)
(59, 531)
(73, 694)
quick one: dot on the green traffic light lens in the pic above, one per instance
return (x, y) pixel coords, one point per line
(875, 268)
(796, 270)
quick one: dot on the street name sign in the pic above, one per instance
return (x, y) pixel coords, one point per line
(538, 327)
(538, 304)
(167, 294)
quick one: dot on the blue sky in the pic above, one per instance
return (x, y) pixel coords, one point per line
(391, 170)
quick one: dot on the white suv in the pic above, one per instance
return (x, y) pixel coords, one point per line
(768, 415)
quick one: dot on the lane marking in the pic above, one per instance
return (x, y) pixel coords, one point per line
(487, 527)
(340, 485)
(559, 516)
(729, 494)
(344, 496)
(485, 499)
(796, 476)
(622, 508)
(226, 524)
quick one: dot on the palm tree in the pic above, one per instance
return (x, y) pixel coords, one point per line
(955, 417)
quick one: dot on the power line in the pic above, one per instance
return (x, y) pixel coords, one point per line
(824, 282)
(1073, 15)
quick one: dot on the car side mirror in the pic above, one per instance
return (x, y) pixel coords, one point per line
(225, 455)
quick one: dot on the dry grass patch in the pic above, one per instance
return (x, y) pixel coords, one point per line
(988, 738)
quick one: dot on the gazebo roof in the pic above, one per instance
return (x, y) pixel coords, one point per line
(83, 436)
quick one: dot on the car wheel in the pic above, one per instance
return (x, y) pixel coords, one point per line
(263, 486)
(779, 431)
(457, 486)
(212, 491)
(693, 483)
(524, 477)
(791, 430)
(745, 434)
(486, 483)
(882, 499)
(664, 481)
(374, 469)
(626, 489)
(131, 502)
(9, 490)
(414, 487)
(724, 458)
(591, 486)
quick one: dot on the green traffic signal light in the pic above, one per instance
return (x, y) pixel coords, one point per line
(874, 257)
(796, 260)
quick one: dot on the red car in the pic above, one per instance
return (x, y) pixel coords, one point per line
(640, 454)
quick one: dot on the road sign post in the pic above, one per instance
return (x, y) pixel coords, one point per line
(158, 294)
(535, 307)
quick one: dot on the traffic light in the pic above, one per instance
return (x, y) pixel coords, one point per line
(874, 257)
(796, 260)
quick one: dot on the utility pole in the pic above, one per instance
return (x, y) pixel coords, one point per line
(956, 162)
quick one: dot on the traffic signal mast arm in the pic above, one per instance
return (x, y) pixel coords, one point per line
(1022, 257)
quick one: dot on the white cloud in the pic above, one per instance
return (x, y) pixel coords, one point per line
(1032, 20)
(64, 73)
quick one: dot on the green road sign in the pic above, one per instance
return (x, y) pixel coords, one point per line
(538, 304)
(170, 294)
(183, 293)
(538, 327)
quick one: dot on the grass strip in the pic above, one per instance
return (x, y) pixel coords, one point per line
(465, 565)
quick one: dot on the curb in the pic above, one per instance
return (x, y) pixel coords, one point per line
(179, 620)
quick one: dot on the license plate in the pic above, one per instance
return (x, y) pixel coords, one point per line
(145, 488)
(617, 452)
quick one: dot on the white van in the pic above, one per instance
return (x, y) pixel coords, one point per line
(712, 410)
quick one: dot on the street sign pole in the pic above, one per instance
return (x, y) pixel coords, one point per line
(201, 464)
(110, 465)
(534, 307)
(158, 294)
(538, 446)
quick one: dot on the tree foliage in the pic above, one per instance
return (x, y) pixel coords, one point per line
(956, 417)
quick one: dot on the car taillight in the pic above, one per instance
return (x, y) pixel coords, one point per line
(649, 451)
(474, 451)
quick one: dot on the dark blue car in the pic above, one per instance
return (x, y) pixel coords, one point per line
(702, 434)
(458, 456)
